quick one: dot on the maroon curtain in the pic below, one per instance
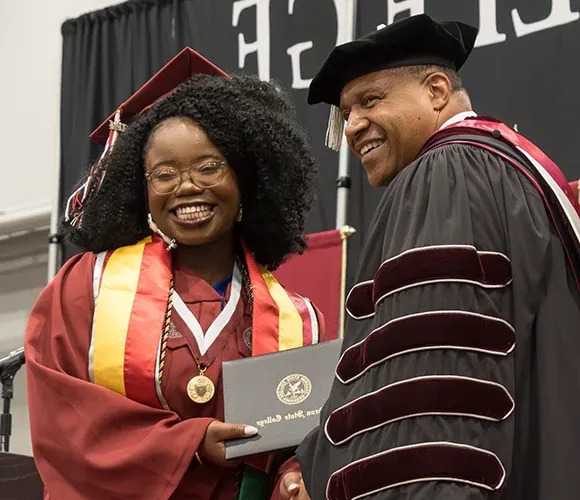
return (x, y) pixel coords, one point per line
(316, 274)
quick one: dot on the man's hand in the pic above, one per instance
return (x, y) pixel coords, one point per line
(292, 487)
(212, 447)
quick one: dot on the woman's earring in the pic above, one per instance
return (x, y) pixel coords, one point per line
(171, 245)
(240, 213)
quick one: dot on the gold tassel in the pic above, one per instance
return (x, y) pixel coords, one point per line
(335, 129)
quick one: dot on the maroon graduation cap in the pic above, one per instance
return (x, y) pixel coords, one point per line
(179, 69)
(182, 67)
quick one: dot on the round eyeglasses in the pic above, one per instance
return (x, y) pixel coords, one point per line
(166, 180)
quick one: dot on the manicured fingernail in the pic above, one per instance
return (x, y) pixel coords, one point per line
(293, 487)
(250, 431)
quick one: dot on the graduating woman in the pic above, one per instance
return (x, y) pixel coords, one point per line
(201, 192)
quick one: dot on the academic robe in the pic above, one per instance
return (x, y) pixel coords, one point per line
(459, 375)
(90, 442)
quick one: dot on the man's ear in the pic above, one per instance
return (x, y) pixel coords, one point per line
(440, 90)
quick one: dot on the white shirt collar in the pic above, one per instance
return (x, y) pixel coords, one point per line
(458, 117)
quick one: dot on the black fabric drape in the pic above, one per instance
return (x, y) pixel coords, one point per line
(107, 55)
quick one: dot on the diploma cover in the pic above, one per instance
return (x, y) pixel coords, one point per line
(281, 394)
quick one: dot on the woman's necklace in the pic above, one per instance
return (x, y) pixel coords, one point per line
(200, 388)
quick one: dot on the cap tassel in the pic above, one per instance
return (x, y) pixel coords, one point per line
(335, 129)
(74, 206)
(116, 127)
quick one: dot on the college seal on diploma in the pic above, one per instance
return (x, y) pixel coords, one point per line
(281, 394)
(294, 389)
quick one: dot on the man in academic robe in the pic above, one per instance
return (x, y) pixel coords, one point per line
(459, 376)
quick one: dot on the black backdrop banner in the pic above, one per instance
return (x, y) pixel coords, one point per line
(524, 70)
(107, 55)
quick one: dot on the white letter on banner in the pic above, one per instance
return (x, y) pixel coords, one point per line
(344, 20)
(415, 7)
(560, 14)
(294, 52)
(262, 44)
(488, 33)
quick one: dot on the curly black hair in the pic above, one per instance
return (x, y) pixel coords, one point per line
(253, 124)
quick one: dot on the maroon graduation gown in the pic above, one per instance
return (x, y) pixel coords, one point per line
(459, 378)
(92, 443)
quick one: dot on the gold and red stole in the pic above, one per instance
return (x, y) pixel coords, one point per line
(131, 290)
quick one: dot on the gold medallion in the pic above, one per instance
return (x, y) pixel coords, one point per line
(200, 389)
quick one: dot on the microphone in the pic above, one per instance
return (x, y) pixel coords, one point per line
(14, 359)
(9, 365)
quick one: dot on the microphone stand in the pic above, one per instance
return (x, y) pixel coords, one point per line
(7, 374)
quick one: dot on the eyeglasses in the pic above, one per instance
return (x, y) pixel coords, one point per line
(166, 180)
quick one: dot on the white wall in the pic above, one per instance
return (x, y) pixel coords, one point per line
(30, 62)
(18, 291)
(30, 67)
